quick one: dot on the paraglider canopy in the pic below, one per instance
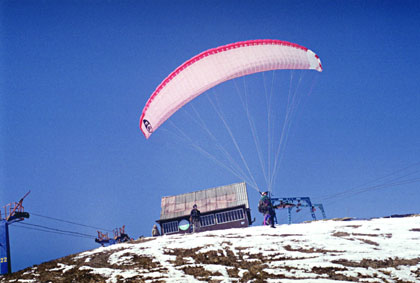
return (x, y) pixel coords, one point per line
(218, 65)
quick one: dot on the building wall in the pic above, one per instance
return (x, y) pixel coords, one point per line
(234, 217)
(207, 200)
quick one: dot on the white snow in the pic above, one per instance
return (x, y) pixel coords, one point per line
(63, 267)
(307, 245)
(377, 250)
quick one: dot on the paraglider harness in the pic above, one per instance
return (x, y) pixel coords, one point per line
(265, 203)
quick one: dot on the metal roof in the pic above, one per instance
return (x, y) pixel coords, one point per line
(206, 200)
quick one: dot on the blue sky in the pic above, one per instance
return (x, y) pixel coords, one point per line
(75, 76)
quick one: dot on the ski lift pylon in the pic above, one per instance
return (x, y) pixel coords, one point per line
(13, 212)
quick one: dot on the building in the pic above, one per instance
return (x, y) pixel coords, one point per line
(221, 208)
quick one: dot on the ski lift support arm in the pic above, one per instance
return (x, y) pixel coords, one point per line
(291, 202)
(15, 211)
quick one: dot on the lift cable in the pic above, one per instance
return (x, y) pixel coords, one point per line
(53, 230)
(390, 180)
(71, 222)
(49, 231)
(393, 179)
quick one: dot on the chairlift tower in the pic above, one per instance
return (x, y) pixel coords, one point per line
(298, 203)
(13, 212)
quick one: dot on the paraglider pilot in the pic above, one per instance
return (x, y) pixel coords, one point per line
(265, 206)
(195, 218)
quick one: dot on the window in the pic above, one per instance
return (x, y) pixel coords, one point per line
(207, 220)
(229, 216)
(170, 227)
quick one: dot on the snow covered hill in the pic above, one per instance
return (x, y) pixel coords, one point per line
(377, 250)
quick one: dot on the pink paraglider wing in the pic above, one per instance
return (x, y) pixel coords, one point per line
(218, 65)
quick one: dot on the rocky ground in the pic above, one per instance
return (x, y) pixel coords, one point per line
(377, 250)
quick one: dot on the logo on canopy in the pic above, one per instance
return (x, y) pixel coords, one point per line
(148, 126)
